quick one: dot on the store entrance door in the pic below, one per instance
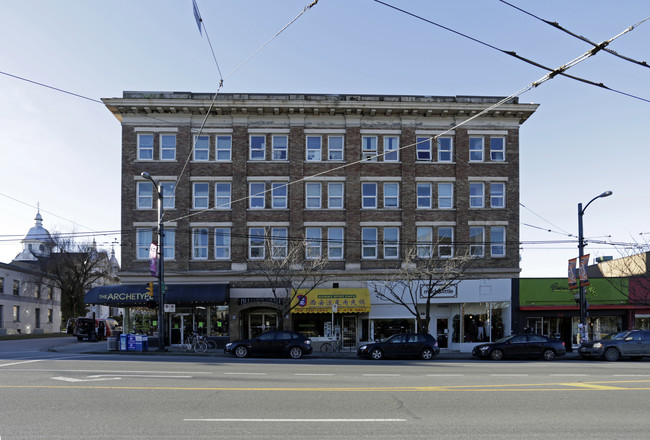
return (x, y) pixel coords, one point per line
(180, 327)
(442, 332)
(261, 323)
(349, 331)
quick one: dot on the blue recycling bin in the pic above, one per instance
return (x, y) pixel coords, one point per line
(123, 342)
(145, 343)
(130, 342)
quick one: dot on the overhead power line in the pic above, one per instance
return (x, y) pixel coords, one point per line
(514, 54)
(579, 37)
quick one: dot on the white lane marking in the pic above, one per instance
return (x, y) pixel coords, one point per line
(509, 375)
(141, 375)
(116, 372)
(382, 375)
(73, 379)
(313, 374)
(21, 362)
(631, 375)
(568, 375)
(246, 374)
(295, 420)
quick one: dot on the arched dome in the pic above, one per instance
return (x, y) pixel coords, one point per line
(36, 243)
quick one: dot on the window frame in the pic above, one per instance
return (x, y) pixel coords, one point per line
(278, 149)
(335, 243)
(143, 148)
(256, 153)
(370, 198)
(144, 200)
(496, 151)
(476, 154)
(423, 149)
(424, 242)
(391, 246)
(390, 149)
(335, 149)
(169, 244)
(369, 243)
(254, 235)
(220, 149)
(199, 148)
(313, 201)
(222, 242)
(477, 244)
(340, 197)
(196, 197)
(281, 200)
(313, 148)
(142, 248)
(500, 198)
(254, 198)
(220, 199)
(448, 149)
(473, 198)
(279, 242)
(369, 148)
(388, 204)
(421, 199)
(313, 243)
(498, 244)
(442, 197)
(167, 148)
(200, 243)
(169, 194)
(442, 236)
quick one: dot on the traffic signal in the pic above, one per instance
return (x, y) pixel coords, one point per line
(151, 304)
(150, 289)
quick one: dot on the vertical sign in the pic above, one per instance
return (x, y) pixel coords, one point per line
(573, 282)
(153, 259)
(584, 281)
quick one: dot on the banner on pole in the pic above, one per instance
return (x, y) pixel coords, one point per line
(584, 280)
(573, 281)
(153, 259)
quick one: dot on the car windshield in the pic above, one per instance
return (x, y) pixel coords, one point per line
(619, 335)
(505, 338)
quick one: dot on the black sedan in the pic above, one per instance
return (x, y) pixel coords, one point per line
(633, 344)
(274, 343)
(527, 345)
(403, 345)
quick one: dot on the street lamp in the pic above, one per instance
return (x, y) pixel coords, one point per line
(161, 235)
(581, 248)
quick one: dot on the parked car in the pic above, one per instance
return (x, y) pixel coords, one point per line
(402, 345)
(633, 344)
(273, 343)
(82, 328)
(526, 345)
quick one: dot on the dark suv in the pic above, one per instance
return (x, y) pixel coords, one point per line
(629, 344)
(403, 345)
(274, 343)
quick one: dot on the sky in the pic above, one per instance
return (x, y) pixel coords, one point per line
(60, 149)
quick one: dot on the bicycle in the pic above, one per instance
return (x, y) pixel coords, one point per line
(194, 343)
(333, 346)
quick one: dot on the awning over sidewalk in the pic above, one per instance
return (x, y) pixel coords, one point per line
(321, 301)
(135, 295)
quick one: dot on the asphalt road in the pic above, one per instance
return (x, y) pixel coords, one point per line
(56, 395)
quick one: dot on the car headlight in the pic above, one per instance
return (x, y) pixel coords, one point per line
(363, 347)
(597, 345)
(229, 344)
(308, 342)
(484, 349)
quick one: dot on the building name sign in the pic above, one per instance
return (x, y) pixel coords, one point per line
(242, 301)
(121, 297)
(448, 292)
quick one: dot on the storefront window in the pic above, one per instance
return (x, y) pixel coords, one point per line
(384, 328)
(642, 322)
(604, 325)
(480, 322)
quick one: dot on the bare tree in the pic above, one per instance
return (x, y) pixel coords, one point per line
(421, 277)
(629, 275)
(291, 268)
(74, 268)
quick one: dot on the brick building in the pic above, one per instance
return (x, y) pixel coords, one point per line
(360, 176)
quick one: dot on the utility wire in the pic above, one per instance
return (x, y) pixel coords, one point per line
(514, 54)
(580, 37)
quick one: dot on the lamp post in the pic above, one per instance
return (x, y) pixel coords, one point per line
(581, 249)
(161, 235)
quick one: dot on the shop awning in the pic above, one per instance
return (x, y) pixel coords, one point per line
(135, 295)
(321, 301)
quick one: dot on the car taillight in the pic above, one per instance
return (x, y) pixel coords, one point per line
(563, 345)
(436, 344)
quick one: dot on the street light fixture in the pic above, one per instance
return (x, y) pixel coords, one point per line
(581, 248)
(161, 235)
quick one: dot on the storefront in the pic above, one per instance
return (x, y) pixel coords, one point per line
(462, 316)
(201, 308)
(325, 314)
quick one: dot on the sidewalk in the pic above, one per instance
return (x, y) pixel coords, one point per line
(102, 348)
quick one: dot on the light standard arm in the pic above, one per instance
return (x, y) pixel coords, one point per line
(161, 235)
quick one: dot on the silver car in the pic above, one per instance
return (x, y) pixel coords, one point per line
(634, 344)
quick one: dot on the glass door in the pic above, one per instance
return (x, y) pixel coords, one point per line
(349, 331)
(261, 323)
(180, 327)
(442, 331)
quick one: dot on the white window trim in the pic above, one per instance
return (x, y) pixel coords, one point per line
(258, 195)
(161, 149)
(482, 149)
(308, 197)
(207, 197)
(250, 147)
(217, 205)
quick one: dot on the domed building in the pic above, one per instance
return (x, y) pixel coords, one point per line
(37, 243)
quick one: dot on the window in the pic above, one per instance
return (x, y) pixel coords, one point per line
(257, 195)
(497, 149)
(335, 243)
(2, 286)
(424, 242)
(445, 195)
(224, 148)
(391, 148)
(49, 292)
(424, 195)
(37, 291)
(279, 243)
(476, 149)
(16, 313)
(145, 147)
(201, 196)
(391, 243)
(335, 195)
(313, 243)
(445, 149)
(279, 195)
(145, 195)
(200, 244)
(169, 244)
(391, 195)
(335, 147)
(369, 148)
(476, 195)
(223, 194)
(167, 147)
(16, 287)
(169, 194)
(423, 150)
(50, 316)
(313, 195)
(279, 147)
(445, 242)
(202, 148)
(498, 239)
(369, 195)
(143, 240)
(222, 243)
(258, 148)
(369, 242)
(498, 195)
(314, 148)
(256, 243)
(476, 240)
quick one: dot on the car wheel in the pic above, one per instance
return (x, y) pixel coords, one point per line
(612, 354)
(496, 355)
(376, 354)
(426, 354)
(548, 355)
(241, 351)
(295, 352)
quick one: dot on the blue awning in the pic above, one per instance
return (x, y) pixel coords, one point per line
(135, 295)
